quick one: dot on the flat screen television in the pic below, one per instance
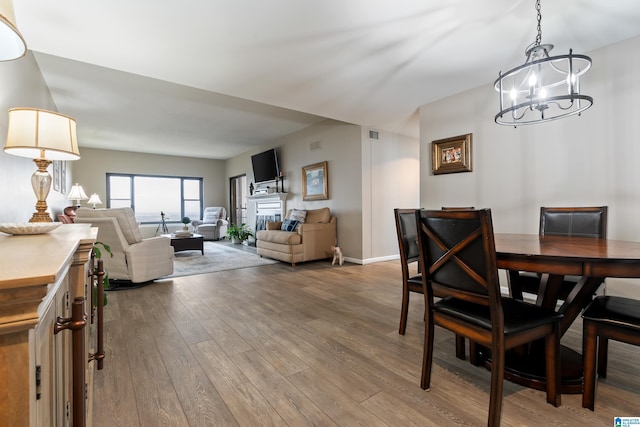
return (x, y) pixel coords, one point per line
(265, 166)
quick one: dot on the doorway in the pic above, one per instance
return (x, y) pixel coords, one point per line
(238, 201)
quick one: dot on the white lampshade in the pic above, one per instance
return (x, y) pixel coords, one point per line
(12, 45)
(35, 133)
(77, 193)
(94, 200)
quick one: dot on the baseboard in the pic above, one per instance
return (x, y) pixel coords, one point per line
(372, 260)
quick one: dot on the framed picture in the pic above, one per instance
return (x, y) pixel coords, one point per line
(451, 155)
(63, 177)
(56, 175)
(314, 182)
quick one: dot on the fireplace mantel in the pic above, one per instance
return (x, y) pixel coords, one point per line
(265, 207)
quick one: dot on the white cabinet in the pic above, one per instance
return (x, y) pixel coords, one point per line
(40, 277)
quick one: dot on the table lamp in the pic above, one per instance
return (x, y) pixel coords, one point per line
(94, 200)
(43, 136)
(77, 193)
(12, 45)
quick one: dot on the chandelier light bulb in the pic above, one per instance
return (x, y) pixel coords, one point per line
(513, 94)
(542, 93)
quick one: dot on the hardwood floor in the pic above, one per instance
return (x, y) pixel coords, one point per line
(312, 345)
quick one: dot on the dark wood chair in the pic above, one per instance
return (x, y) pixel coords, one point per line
(587, 222)
(457, 252)
(606, 318)
(409, 256)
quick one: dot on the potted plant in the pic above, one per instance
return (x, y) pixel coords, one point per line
(238, 233)
(185, 220)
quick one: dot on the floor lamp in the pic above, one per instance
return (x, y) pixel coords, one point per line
(43, 136)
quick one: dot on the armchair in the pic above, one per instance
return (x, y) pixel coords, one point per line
(134, 259)
(311, 240)
(213, 225)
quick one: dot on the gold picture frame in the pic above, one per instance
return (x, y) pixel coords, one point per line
(315, 183)
(451, 155)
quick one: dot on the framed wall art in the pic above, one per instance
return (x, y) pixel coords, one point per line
(315, 182)
(63, 177)
(451, 155)
(56, 175)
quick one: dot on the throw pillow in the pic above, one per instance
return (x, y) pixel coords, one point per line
(298, 215)
(289, 225)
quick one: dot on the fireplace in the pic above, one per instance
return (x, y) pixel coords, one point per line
(264, 208)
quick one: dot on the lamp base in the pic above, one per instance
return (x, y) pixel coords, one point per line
(41, 183)
(40, 217)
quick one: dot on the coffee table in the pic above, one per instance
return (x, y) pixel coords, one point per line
(195, 242)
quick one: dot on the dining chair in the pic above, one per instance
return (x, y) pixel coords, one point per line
(587, 222)
(457, 251)
(607, 317)
(409, 256)
(408, 247)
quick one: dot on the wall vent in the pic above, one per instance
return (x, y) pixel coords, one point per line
(373, 134)
(315, 145)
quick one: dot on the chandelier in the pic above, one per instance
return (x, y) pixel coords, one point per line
(544, 88)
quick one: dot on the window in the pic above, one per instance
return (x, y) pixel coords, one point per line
(150, 195)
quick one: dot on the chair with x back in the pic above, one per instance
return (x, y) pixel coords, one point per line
(583, 222)
(457, 252)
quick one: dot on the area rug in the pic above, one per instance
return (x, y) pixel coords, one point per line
(217, 257)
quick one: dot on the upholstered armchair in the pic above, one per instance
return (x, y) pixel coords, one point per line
(134, 259)
(213, 225)
(299, 238)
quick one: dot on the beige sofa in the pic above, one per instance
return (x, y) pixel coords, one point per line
(311, 241)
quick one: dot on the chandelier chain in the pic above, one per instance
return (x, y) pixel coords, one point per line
(539, 36)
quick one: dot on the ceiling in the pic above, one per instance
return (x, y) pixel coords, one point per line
(215, 78)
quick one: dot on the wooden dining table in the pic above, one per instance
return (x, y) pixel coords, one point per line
(555, 257)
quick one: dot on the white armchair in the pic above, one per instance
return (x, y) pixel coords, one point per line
(213, 225)
(134, 258)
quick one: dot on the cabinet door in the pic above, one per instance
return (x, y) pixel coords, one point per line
(52, 377)
(44, 378)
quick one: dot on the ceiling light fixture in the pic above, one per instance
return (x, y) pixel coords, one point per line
(544, 88)
(12, 45)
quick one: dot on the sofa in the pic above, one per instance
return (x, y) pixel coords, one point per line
(213, 225)
(134, 259)
(293, 241)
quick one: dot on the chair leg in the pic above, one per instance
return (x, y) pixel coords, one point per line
(427, 355)
(474, 353)
(404, 310)
(552, 349)
(589, 347)
(603, 351)
(497, 380)
(460, 350)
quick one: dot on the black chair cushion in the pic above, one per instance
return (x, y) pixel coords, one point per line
(577, 224)
(615, 311)
(518, 315)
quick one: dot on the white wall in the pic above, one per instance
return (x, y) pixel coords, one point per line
(367, 179)
(339, 145)
(391, 179)
(577, 161)
(21, 85)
